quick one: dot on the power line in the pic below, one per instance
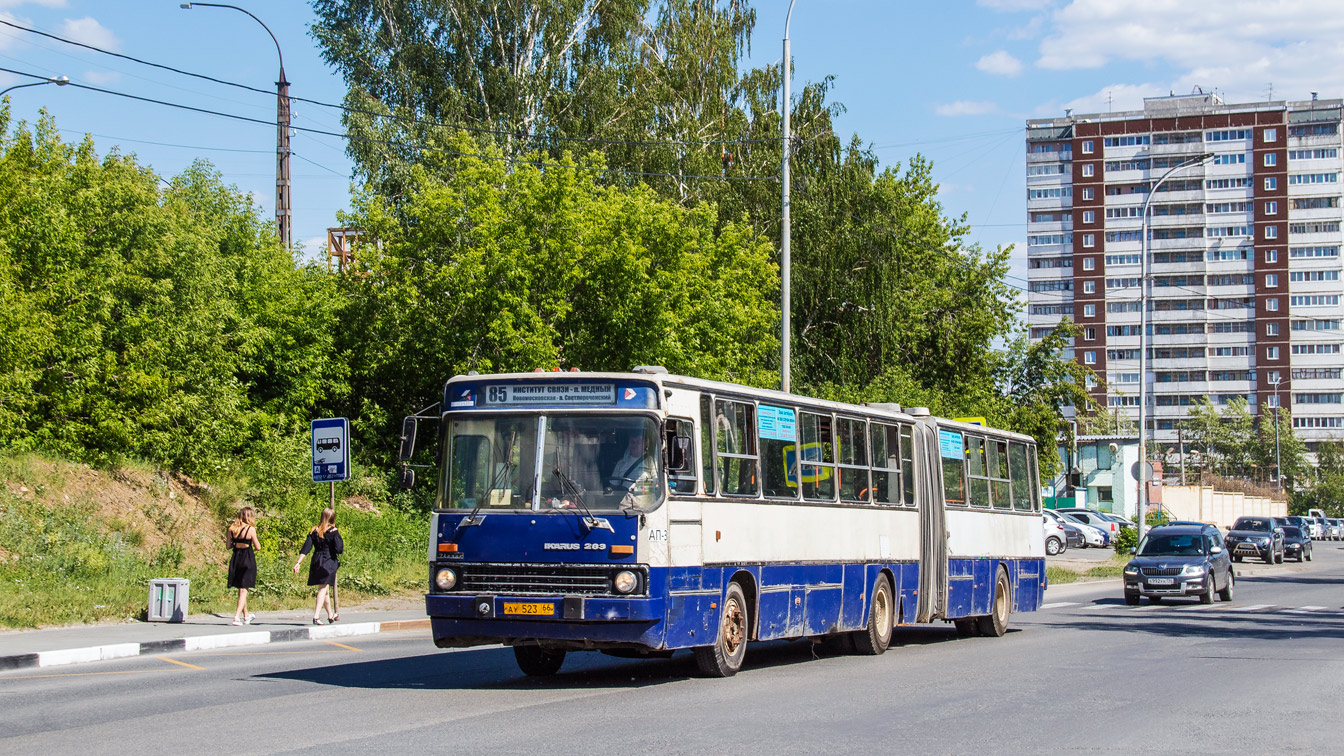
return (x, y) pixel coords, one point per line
(403, 145)
(404, 119)
(167, 144)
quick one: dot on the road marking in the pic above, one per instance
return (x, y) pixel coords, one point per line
(1251, 608)
(1200, 607)
(347, 648)
(1058, 604)
(81, 674)
(270, 653)
(1304, 610)
(180, 663)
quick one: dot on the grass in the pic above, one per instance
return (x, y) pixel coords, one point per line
(72, 552)
(1112, 568)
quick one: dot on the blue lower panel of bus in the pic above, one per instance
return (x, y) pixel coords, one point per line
(790, 600)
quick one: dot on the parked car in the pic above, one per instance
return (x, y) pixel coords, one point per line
(1056, 537)
(1094, 518)
(1074, 537)
(1296, 544)
(1179, 561)
(1318, 516)
(1124, 522)
(1257, 537)
(1308, 525)
(1093, 537)
(1336, 528)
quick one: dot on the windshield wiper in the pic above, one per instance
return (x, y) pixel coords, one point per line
(589, 519)
(504, 474)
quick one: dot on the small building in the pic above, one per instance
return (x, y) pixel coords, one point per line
(1098, 475)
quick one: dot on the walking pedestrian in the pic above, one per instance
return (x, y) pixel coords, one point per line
(325, 542)
(243, 562)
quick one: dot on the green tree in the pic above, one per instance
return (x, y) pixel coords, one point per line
(1271, 449)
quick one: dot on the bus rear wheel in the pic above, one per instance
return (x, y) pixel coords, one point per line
(995, 624)
(536, 661)
(724, 658)
(881, 611)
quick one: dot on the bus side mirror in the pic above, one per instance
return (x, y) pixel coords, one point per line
(407, 448)
(407, 479)
(679, 454)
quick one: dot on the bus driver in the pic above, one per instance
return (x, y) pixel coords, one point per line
(632, 467)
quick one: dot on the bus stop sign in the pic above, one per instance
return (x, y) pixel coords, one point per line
(331, 449)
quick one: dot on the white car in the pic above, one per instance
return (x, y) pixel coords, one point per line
(1092, 535)
(1056, 537)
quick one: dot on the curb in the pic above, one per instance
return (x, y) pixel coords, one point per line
(202, 642)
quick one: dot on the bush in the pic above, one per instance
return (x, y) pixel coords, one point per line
(1125, 540)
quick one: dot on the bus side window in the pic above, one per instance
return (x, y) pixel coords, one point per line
(1033, 473)
(707, 444)
(818, 457)
(996, 454)
(908, 464)
(886, 463)
(852, 454)
(976, 471)
(682, 482)
(951, 449)
(735, 439)
(1021, 480)
(779, 468)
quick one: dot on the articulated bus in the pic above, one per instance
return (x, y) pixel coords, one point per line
(641, 513)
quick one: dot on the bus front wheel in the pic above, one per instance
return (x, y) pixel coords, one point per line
(536, 661)
(724, 658)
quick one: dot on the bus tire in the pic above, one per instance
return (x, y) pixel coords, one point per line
(536, 661)
(724, 658)
(995, 624)
(874, 640)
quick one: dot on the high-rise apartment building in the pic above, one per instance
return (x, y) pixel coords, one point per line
(1244, 253)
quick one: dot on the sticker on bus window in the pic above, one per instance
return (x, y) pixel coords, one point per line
(950, 444)
(812, 474)
(778, 423)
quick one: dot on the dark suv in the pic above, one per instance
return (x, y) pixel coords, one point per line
(1180, 561)
(1260, 537)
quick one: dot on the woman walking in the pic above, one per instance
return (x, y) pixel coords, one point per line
(243, 563)
(326, 544)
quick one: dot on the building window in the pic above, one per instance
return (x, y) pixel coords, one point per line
(1089, 358)
(1089, 216)
(1088, 170)
(1271, 183)
(1089, 240)
(1089, 334)
(1271, 255)
(1272, 304)
(1274, 376)
(1087, 193)
(1271, 232)
(1273, 400)
(1271, 135)
(1271, 159)
(1271, 280)
(1089, 263)
(1087, 147)
(1272, 353)
(1271, 329)
(1089, 287)
(1271, 208)
(1089, 311)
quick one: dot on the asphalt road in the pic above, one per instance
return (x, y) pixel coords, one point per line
(1264, 673)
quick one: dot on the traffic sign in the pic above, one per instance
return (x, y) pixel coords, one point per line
(331, 449)
(1147, 471)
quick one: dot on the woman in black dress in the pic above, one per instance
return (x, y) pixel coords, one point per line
(326, 544)
(243, 562)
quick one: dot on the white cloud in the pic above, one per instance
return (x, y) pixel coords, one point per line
(43, 3)
(90, 32)
(1008, 6)
(102, 78)
(1031, 30)
(965, 108)
(1000, 63)
(1237, 47)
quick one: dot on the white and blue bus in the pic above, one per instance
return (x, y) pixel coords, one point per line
(641, 513)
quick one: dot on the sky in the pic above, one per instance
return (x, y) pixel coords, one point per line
(952, 80)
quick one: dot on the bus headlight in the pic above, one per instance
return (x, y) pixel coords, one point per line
(625, 582)
(445, 579)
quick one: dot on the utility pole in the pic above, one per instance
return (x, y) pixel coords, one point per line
(785, 254)
(1180, 440)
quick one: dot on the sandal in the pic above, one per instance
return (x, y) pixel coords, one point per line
(334, 618)
(317, 621)
(236, 622)
(250, 619)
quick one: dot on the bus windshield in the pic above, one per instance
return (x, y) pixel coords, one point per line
(603, 462)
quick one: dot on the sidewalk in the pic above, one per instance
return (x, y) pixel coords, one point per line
(85, 643)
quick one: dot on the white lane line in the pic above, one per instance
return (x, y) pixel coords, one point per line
(1251, 608)
(1303, 610)
(1200, 608)
(1058, 604)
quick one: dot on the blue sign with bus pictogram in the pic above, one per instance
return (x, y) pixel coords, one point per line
(331, 449)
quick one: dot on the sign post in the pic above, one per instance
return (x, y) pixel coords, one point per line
(331, 462)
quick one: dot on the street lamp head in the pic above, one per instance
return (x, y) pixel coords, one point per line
(60, 81)
(186, 6)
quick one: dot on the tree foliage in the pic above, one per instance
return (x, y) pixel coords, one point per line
(165, 324)
(1234, 444)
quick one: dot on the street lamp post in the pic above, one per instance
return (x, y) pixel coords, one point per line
(785, 253)
(1278, 462)
(59, 81)
(283, 211)
(1144, 296)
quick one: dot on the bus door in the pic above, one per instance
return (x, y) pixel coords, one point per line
(932, 523)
